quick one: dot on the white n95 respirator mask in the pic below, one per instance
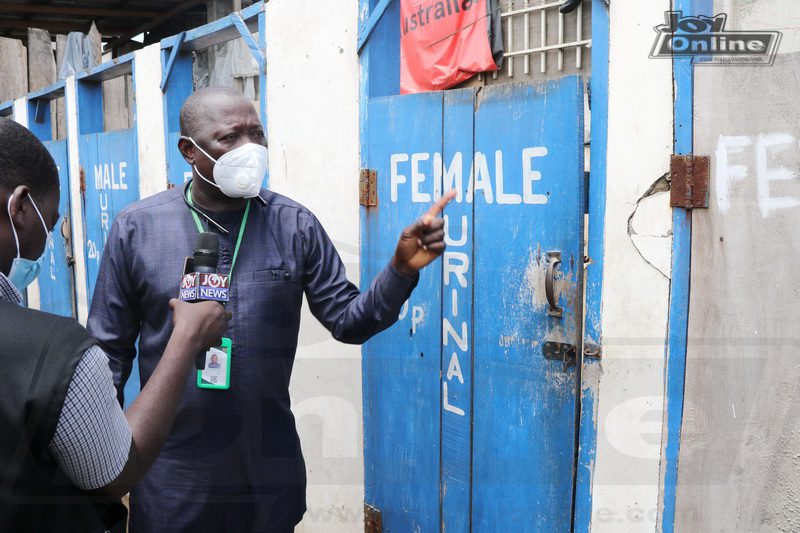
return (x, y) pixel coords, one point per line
(239, 172)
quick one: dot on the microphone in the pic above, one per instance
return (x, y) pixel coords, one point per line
(206, 252)
(200, 280)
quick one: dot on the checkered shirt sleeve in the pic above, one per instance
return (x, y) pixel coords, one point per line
(92, 438)
(8, 292)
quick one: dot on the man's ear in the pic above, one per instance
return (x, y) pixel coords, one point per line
(186, 147)
(19, 206)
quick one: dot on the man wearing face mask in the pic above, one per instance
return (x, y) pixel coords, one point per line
(67, 451)
(233, 461)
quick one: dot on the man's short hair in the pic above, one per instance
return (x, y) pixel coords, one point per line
(25, 161)
(193, 109)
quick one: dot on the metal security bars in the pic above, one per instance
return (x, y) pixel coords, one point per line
(542, 43)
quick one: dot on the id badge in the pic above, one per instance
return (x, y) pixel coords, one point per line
(217, 372)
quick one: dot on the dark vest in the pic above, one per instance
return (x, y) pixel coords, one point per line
(38, 356)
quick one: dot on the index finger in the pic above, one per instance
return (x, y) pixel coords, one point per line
(438, 207)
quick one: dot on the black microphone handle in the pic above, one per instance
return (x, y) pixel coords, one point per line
(205, 261)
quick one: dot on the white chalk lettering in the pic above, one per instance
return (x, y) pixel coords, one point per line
(448, 239)
(530, 175)
(495, 183)
(417, 314)
(122, 185)
(448, 331)
(107, 178)
(395, 177)
(452, 176)
(403, 311)
(455, 369)
(417, 178)
(766, 144)
(482, 181)
(502, 196)
(727, 173)
(456, 263)
(446, 402)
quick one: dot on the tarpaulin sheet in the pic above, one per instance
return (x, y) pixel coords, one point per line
(443, 43)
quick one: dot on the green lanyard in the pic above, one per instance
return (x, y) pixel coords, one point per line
(241, 229)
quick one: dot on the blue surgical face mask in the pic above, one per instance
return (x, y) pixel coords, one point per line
(24, 271)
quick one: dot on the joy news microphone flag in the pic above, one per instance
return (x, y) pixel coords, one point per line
(201, 281)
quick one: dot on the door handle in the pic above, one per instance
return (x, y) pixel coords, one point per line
(553, 260)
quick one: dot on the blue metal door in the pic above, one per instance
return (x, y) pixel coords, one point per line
(111, 168)
(401, 366)
(56, 282)
(470, 401)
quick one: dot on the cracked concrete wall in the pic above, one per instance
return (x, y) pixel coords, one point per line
(636, 272)
(312, 105)
(740, 451)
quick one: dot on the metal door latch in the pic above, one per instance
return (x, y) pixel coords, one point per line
(560, 351)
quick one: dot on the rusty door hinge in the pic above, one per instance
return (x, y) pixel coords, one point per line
(368, 187)
(689, 181)
(372, 519)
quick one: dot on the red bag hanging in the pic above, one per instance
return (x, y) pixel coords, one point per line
(442, 43)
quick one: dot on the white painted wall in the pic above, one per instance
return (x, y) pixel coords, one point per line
(150, 136)
(636, 284)
(312, 107)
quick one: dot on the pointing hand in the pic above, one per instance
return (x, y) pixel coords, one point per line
(423, 241)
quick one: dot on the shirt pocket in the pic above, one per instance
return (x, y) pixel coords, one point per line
(272, 299)
(274, 275)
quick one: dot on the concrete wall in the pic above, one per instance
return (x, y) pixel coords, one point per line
(312, 105)
(636, 274)
(739, 455)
